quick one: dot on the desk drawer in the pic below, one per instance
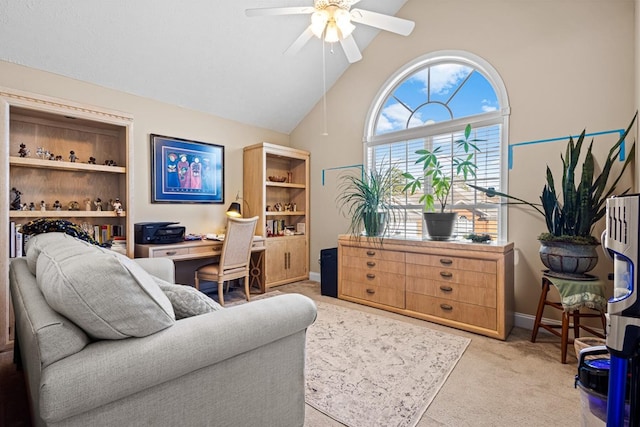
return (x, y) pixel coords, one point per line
(167, 252)
(216, 250)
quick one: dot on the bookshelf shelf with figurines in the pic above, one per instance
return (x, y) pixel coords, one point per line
(64, 160)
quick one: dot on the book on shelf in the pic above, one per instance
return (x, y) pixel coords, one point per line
(16, 241)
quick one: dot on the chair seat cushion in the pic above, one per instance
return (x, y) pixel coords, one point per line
(214, 269)
(106, 294)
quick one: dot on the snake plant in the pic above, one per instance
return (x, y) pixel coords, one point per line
(571, 212)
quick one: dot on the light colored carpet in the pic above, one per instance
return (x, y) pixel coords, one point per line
(367, 370)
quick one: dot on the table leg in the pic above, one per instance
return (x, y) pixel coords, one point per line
(256, 271)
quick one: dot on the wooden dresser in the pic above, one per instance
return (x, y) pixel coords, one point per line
(463, 285)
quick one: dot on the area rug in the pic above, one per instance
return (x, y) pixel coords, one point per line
(367, 370)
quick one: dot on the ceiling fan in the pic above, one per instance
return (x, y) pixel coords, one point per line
(331, 20)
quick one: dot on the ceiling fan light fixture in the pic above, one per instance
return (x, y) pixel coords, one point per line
(319, 21)
(342, 19)
(332, 34)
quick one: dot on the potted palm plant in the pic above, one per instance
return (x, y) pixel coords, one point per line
(570, 212)
(440, 224)
(367, 199)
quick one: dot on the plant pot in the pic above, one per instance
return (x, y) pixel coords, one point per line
(440, 224)
(570, 259)
(374, 223)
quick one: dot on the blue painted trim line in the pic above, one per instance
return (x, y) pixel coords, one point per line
(343, 167)
(540, 141)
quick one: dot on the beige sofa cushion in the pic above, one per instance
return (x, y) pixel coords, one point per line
(106, 294)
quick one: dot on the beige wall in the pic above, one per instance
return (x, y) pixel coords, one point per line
(158, 118)
(566, 65)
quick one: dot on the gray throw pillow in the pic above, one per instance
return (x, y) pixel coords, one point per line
(105, 293)
(187, 301)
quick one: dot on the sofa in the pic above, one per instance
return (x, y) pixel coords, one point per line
(101, 365)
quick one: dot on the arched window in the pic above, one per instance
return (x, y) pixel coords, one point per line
(428, 104)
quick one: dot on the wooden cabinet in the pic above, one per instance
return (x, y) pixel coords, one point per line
(45, 124)
(276, 190)
(462, 285)
(286, 260)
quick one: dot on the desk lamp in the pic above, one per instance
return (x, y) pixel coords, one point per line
(235, 209)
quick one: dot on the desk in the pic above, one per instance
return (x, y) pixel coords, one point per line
(192, 254)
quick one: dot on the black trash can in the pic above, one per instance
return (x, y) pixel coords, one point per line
(329, 272)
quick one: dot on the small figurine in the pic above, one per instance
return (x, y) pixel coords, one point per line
(57, 205)
(294, 207)
(32, 206)
(40, 152)
(98, 203)
(24, 207)
(117, 206)
(87, 204)
(58, 158)
(43, 206)
(110, 163)
(23, 151)
(72, 156)
(74, 206)
(92, 160)
(16, 205)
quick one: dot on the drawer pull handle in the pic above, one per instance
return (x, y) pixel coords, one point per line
(371, 264)
(371, 291)
(446, 288)
(170, 253)
(446, 261)
(371, 253)
(371, 276)
(446, 307)
(446, 274)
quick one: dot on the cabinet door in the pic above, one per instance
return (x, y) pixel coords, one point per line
(297, 257)
(276, 260)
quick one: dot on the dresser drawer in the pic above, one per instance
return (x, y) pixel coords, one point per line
(469, 294)
(392, 296)
(467, 264)
(470, 278)
(470, 314)
(373, 264)
(372, 253)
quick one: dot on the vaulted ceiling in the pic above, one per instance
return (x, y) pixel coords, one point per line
(204, 55)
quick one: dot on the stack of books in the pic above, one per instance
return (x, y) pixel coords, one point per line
(119, 244)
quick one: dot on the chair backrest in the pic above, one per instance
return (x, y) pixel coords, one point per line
(238, 240)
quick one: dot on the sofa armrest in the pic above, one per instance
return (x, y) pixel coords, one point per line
(162, 268)
(106, 371)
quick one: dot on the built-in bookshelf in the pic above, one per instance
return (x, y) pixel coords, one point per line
(65, 160)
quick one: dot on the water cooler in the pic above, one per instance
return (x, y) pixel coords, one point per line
(623, 318)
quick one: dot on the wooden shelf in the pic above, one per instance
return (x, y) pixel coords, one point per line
(62, 165)
(285, 213)
(285, 185)
(65, 214)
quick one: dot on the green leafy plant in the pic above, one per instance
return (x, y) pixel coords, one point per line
(368, 200)
(440, 178)
(571, 212)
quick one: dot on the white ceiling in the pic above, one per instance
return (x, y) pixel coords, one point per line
(201, 54)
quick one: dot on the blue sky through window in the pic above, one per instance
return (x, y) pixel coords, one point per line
(435, 94)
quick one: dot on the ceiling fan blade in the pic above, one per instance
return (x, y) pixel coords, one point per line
(299, 42)
(351, 50)
(384, 22)
(276, 11)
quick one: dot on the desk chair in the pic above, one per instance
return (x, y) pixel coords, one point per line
(235, 257)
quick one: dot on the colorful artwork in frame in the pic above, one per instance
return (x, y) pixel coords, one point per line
(184, 171)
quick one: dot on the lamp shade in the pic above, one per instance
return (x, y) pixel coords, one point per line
(235, 210)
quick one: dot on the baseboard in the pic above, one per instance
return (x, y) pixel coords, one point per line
(314, 276)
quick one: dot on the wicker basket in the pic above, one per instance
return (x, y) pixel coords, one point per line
(584, 342)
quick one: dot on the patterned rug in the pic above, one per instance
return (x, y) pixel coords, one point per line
(368, 370)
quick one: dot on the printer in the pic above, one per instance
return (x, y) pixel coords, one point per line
(158, 233)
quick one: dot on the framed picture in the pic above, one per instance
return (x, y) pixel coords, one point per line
(184, 171)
